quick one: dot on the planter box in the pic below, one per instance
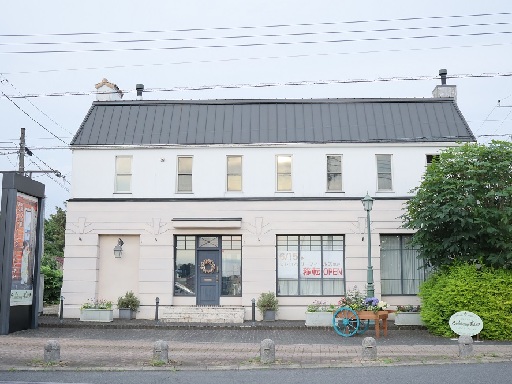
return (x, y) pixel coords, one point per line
(269, 315)
(99, 315)
(126, 313)
(408, 318)
(318, 319)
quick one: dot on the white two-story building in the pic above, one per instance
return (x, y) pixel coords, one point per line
(217, 201)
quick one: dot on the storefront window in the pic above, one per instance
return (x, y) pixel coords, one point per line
(310, 265)
(231, 266)
(185, 266)
(401, 270)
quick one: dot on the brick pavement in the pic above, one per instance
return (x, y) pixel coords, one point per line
(206, 348)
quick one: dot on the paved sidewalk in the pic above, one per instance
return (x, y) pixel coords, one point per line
(128, 345)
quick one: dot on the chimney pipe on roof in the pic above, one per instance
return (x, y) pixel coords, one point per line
(443, 73)
(140, 89)
(444, 90)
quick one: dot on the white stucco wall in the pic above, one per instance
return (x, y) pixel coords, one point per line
(154, 170)
(146, 226)
(91, 270)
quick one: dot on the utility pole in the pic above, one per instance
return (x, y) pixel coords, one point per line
(21, 164)
(22, 152)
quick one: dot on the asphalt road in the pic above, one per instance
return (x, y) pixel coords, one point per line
(420, 374)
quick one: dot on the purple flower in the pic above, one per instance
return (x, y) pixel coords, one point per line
(373, 301)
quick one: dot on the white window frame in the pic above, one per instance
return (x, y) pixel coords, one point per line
(232, 174)
(278, 188)
(328, 173)
(118, 173)
(379, 188)
(178, 174)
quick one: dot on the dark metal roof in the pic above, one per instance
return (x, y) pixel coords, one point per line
(146, 122)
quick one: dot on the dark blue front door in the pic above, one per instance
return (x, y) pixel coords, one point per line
(208, 266)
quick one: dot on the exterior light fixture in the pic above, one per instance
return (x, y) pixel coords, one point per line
(118, 249)
(368, 204)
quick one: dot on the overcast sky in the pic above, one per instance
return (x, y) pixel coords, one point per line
(172, 46)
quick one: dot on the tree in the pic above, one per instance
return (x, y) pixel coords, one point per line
(54, 230)
(462, 210)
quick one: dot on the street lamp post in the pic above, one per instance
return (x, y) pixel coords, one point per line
(367, 204)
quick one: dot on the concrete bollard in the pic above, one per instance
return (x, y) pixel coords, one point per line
(267, 352)
(369, 349)
(161, 351)
(52, 352)
(465, 346)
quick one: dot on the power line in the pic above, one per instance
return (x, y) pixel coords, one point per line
(503, 121)
(268, 85)
(252, 45)
(34, 120)
(254, 58)
(296, 34)
(49, 176)
(57, 173)
(7, 80)
(261, 26)
(486, 119)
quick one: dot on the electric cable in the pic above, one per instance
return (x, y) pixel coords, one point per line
(295, 34)
(263, 26)
(34, 120)
(252, 45)
(57, 124)
(252, 58)
(266, 85)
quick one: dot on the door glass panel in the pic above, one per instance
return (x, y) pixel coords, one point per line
(209, 242)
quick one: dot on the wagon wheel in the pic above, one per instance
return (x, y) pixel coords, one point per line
(345, 321)
(363, 326)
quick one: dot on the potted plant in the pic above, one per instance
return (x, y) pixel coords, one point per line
(128, 305)
(268, 305)
(408, 315)
(319, 314)
(97, 310)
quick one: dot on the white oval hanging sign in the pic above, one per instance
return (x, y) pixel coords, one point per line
(466, 323)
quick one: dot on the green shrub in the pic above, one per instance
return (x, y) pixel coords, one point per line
(52, 284)
(267, 302)
(486, 292)
(128, 301)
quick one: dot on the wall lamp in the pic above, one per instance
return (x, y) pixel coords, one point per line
(118, 249)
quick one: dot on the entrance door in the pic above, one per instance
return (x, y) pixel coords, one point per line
(209, 280)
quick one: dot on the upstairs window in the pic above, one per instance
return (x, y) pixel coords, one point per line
(432, 158)
(123, 174)
(185, 174)
(234, 173)
(334, 173)
(384, 179)
(284, 173)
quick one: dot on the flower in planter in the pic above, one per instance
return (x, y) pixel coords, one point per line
(97, 304)
(358, 301)
(320, 306)
(408, 308)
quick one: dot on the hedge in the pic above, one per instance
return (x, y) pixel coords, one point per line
(484, 291)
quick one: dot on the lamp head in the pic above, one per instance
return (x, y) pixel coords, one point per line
(367, 202)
